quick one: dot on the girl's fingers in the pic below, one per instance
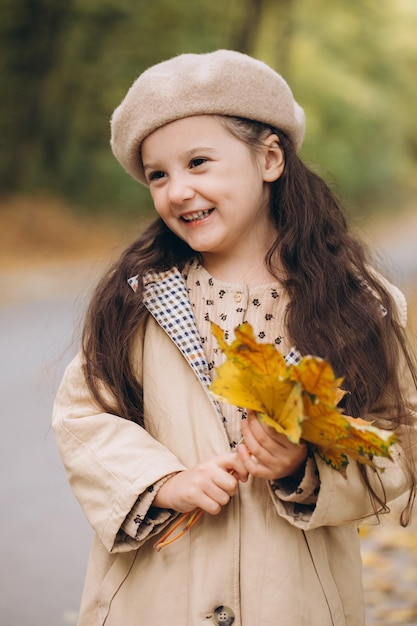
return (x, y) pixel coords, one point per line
(223, 483)
(256, 443)
(263, 436)
(252, 463)
(237, 469)
(214, 501)
(208, 485)
(259, 453)
(263, 433)
(267, 454)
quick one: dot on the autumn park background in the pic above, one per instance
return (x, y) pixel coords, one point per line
(67, 208)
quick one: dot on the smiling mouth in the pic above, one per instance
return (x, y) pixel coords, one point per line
(198, 215)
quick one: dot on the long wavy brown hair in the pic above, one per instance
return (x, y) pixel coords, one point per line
(339, 308)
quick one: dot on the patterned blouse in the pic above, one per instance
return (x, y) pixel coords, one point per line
(230, 304)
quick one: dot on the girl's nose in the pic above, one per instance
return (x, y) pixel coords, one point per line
(180, 189)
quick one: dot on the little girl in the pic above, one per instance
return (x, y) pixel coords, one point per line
(245, 233)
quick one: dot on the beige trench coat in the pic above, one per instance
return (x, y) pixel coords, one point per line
(266, 561)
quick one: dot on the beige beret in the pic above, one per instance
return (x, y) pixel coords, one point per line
(223, 82)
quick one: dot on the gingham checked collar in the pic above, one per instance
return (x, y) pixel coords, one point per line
(166, 298)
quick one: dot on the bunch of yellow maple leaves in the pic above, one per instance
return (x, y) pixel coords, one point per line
(299, 401)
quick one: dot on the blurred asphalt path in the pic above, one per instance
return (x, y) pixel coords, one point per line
(44, 538)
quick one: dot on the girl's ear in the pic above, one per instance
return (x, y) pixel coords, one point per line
(273, 159)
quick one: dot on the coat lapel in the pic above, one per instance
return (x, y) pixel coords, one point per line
(166, 298)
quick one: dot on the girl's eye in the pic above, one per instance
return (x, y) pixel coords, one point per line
(197, 161)
(156, 175)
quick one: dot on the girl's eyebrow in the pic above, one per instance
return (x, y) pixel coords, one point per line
(199, 150)
(189, 154)
(148, 166)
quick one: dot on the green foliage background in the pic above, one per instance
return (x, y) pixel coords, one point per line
(66, 64)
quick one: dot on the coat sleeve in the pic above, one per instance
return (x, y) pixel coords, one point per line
(110, 462)
(345, 500)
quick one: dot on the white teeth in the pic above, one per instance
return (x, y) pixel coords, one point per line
(192, 217)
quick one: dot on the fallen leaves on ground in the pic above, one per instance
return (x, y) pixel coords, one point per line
(389, 556)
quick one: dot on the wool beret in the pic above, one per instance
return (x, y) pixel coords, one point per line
(224, 82)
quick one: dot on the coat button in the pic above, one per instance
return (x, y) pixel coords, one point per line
(223, 616)
(238, 296)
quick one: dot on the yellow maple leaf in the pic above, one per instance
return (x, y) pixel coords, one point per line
(317, 378)
(299, 401)
(247, 352)
(255, 376)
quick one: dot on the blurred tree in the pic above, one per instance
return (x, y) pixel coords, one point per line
(31, 35)
(355, 75)
(246, 35)
(277, 34)
(66, 64)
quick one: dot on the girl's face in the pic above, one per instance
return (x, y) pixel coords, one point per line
(210, 189)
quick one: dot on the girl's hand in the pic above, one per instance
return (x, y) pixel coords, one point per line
(268, 454)
(208, 485)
